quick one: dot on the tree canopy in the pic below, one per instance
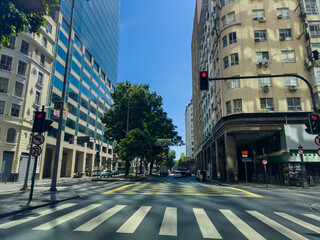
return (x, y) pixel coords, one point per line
(136, 120)
(17, 15)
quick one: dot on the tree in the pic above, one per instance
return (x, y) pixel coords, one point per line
(146, 117)
(17, 15)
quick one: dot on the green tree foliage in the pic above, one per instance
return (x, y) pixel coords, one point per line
(17, 15)
(147, 122)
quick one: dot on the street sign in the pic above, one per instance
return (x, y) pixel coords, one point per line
(317, 140)
(56, 113)
(300, 151)
(57, 105)
(38, 139)
(246, 159)
(36, 151)
(318, 152)
(244, 154)
(163, 142)
(264, 162)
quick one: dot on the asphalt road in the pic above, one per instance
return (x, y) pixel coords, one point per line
(169, 208)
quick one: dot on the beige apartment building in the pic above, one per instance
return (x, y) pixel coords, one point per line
(25, 75)
(263, 116)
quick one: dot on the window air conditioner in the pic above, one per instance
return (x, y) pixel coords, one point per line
(293, 88)
(265, 88)
(260, 64)
(307, 63)
(266, 64)
(282, 38)
(255, 18)
(279, 16)
(257, 39)
(262, 19)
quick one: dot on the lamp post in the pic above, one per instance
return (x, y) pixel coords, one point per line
(303, 168)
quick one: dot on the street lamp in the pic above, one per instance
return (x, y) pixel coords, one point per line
(303, 168)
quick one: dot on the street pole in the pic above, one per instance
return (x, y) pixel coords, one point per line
(33, 180)
(245, 168)
(64, 87)
(265, 169)
(25, 185)
(303, 169)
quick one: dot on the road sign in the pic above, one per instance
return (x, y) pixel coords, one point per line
(38, 139)
(244, 154)
(318, 152)
(36, 151)
(317, 140)
(57, 114)
(246, 159)
(58, 105)
(264, 162)
(300, 151)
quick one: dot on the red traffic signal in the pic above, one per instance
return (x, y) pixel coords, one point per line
(315, 117)
(314, 123)
(204, 84)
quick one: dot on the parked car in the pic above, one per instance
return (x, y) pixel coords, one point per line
(177, 174)
(106, 173)
(115, 172)
(95, 173)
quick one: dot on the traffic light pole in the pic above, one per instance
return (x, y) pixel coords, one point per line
(64, 87)
(314, 108)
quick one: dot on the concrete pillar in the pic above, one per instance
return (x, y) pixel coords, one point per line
(71, 158)
(231, 157)
(217, 160)
(59, 163)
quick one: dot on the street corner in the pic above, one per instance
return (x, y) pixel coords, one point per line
(316, 207)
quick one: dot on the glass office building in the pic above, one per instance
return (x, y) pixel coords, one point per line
(92, 76)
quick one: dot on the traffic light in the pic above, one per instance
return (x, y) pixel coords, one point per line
(38, 122)
(47, 125)
(315, 55)
(314, 120)
(308, 129)
(204, 84)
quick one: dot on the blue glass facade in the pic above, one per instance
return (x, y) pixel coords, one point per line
(93, 63)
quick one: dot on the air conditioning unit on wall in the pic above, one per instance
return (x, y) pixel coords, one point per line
(265, 88)
(262, 19)
(293, 88)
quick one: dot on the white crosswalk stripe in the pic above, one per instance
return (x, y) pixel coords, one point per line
(64, 218)
(280, 228)
(93, 223)
(244, 228)
(169, 223)
(312, 216)
(207, 229)
(40, 214)
(299, 222)
(134, 221)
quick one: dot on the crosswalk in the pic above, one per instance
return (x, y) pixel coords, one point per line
(207, 222)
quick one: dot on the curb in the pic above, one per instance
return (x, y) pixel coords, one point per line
(117, 180)
(316, 207)
(35, 207)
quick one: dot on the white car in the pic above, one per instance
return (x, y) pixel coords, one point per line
(177, 174)
(106, 173)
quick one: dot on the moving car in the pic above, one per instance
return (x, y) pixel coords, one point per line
(177, 174)
(106, 173)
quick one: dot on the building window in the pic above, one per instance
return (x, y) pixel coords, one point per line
(235, 83)
(37, 97)
(40, 78)
(262, 56)
(294, 104)
(266, 81)
(288, 56)
(44, 41)
(222, 3)
(231, 17)
(311, 7)
(2, 105)
(223, 21)
(260, 35)
(228, 106)
(6, 62)
(96, 66)
(24, 47)
(42, 60)
(109, 83)
(227, 82)
(18, 89)
(232, 37)
(283, 13)
(48, 27)
(4, 84)
(11, 135)
(314, 29)
(237, 105)
(229, 1)
(285, 34)
(266, 104)
(22, 68)
(224, 41)
(290, 81)
(78, 42)
(103, 75)
(12, 41)
(225, 62)
(15, 110)
(234, 59)
(257, 14)
(88, 55)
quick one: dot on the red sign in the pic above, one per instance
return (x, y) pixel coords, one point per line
(264, 162)
(38, 139)
(300, 152)
(318, 152)
(317, 140)
(244, 154)
(36, 151)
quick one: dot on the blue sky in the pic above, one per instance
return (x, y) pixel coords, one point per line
(155, 48)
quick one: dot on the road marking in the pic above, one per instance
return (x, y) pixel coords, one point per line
(134, 221)
(14, 223)
(169, 222)
(207, 229)
(299, 222)
(117, 189)
(280, 228)
(249, 193)
(64, 218)
(93, 223)
(244, 228)
(312, 216)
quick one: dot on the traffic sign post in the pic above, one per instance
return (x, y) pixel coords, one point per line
(245, 160)
(38, 139)
(36, 151)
